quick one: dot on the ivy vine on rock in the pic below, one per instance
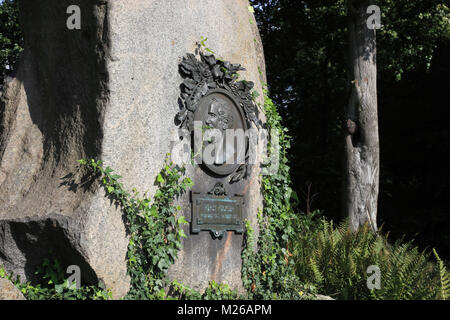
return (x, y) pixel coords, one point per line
(154, 227)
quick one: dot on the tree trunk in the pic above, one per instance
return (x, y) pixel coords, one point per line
(362, 159)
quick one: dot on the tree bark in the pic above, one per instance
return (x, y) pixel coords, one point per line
(362, 161)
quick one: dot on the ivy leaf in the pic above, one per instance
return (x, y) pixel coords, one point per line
(160, 179)
(162, 264)
(182, 234)
(182, 220)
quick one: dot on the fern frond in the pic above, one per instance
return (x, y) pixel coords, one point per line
(444, 278)
(318, 277)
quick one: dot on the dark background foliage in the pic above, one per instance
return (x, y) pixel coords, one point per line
(11, 42)
(305, 44)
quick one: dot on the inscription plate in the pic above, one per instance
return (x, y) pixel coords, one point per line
(216, 213)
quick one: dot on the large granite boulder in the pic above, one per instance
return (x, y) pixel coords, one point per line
(107, 91)
(8, 291)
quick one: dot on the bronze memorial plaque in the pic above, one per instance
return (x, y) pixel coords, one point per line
(222, 107)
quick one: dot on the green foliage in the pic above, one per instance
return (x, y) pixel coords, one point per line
(180, 291)
(155, 228)
(217, 291)
(444, 278)
(54, 285)
(11, 42)
(335, 261)
(409, 36)
(203, 47)
(214, 291)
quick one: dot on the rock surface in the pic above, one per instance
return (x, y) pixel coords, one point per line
(8, 291)
(322, 297)
(108, 91)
